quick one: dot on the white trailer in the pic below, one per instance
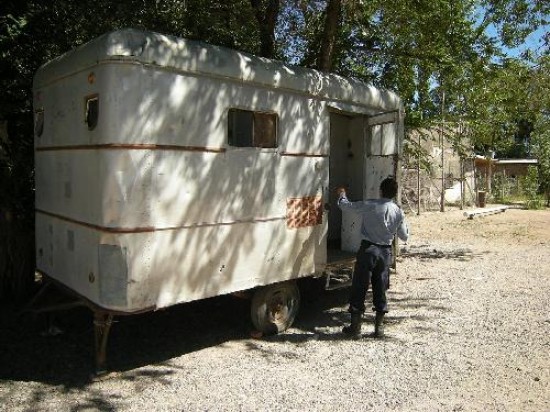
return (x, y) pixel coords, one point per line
(169, 170)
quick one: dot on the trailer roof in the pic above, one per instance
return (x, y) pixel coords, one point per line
(190, 56)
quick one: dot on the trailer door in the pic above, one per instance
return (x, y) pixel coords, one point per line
(382, 151)
(379, 159)
(383, 137)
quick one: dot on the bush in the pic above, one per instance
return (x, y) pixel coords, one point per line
(531, 188)
(17, 209)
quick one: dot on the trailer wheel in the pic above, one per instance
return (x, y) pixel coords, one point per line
(274, 307)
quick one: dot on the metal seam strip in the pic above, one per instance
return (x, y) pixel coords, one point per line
(124, 146)
(149, 229)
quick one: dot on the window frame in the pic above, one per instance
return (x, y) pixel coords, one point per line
(87, 100)
(254, 128)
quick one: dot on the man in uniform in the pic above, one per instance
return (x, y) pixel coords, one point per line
(382, 219)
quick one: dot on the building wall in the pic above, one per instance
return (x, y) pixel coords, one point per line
(431, 181)
(512, 170)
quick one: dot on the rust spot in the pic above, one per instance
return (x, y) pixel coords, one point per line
(304, 211)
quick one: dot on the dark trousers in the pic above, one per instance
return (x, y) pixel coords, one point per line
(371, 266)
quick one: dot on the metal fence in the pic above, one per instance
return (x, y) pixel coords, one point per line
(421, 190)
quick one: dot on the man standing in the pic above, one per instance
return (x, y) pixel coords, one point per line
(382, 219)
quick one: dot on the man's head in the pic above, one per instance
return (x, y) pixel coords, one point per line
(388, 188)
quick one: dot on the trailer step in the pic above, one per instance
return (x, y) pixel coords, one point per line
(338, 279)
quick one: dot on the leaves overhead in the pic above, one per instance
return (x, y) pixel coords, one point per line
(418, 48)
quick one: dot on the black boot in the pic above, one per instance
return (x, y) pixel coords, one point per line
(354, 329)
(379, 325)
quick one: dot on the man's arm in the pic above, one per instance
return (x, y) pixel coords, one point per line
(403, 229)
(343, 201)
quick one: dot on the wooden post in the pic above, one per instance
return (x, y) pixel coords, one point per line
(462, 178)
(418, 177)
(489, 176)
(442, 153)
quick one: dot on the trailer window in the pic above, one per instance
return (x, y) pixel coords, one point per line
(92, 111)
(252, 129)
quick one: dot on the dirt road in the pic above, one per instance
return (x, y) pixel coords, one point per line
(468, 330)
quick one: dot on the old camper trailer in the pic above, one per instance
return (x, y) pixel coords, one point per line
(169, 170)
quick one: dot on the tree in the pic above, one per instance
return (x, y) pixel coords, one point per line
(496, 105)
(540, 104)
(541, 148)
(333, 17)
(266, 15)
(513, 20)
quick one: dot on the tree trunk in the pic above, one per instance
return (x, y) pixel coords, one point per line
(266, 14)
(330, 33)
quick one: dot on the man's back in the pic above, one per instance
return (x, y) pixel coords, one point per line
(382, 219)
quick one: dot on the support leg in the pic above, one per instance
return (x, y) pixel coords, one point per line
(102, 326)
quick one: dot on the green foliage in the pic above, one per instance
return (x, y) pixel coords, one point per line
(500, 189)
(540, 106)
(497, 104)
(514, 20)
(522, 189)
(531, 187)
(541, 149)
(413, 152)
(396, 45)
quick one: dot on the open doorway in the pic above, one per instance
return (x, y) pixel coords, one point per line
(346, 168)
(363, 151)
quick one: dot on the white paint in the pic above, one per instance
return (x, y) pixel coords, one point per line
(220, 217)
(351, 231)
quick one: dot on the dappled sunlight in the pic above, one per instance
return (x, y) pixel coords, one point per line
(182, 214)
(223, 213)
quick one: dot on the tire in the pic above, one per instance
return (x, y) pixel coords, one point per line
(274, 307)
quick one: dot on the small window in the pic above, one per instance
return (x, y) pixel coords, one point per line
(39, 123)
(252, 129)
(383, 139)
(92, 111)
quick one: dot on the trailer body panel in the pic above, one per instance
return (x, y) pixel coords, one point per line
(169, 170)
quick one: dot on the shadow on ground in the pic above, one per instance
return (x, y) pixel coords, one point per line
(28, 353)
(324, 313)
(427, 252)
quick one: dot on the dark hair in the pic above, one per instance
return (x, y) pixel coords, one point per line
(388, 187)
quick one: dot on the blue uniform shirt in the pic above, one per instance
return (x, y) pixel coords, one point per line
(382, 219)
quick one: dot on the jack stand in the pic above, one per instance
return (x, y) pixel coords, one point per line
(102, 326)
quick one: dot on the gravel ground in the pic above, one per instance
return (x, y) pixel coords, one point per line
(468, 330)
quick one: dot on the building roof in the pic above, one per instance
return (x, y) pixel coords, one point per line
(516, 161)
(482, 159)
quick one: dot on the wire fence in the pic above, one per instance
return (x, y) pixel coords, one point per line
(422, 189)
